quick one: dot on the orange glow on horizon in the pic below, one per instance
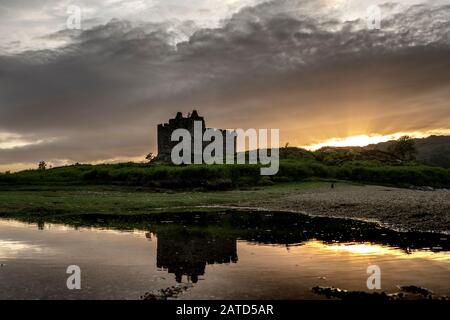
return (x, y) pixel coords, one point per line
(363, 140)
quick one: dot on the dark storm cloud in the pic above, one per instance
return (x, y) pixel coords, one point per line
(101, 96)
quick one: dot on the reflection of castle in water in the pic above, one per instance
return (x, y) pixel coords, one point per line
(192, 241)
(187, 242)
(188, 253)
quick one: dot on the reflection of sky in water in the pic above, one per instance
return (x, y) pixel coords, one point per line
(119, 264)
(369, 249)
(12, 248)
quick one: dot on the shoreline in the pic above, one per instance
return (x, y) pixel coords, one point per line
(396, 228)
(394, 208)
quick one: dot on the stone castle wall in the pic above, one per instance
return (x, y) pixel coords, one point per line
(165, 145)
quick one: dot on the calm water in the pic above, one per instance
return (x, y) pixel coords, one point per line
(223, 256)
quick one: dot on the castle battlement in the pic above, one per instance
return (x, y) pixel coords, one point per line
(165, 130)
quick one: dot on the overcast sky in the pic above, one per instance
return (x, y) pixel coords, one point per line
(314, 69)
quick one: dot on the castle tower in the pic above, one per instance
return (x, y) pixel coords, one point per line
(165, 130)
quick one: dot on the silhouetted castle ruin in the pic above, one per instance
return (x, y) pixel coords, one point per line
(185, 253)
(165, 130)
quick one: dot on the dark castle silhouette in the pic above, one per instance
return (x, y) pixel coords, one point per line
(189, 244)
(165, 145)
(186, 253)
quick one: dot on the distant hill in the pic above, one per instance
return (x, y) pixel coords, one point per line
(339, 155)
(290, 153)
(433, 150)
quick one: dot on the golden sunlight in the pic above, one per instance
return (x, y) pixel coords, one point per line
(364, 139)
(370, 249)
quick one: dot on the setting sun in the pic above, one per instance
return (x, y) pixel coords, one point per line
(364, 139)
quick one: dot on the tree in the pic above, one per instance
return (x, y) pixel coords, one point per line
(42, 165)
(404, 148)
(150, 157)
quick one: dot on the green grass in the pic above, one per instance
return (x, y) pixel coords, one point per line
(132, 188)
(225, 177)
(117, 200)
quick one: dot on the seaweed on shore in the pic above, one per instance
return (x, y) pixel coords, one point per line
(166, 293)
(406, 293)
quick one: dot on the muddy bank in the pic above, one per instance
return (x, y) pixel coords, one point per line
(406, 209)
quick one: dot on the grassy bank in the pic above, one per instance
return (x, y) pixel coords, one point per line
(406, 209)
(139, 189)
(69, 200)
(226, 177)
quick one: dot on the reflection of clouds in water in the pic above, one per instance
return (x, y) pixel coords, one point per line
(363, 249)
(104, 230)
(43, 226)
(13, 249)
(204, 249)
